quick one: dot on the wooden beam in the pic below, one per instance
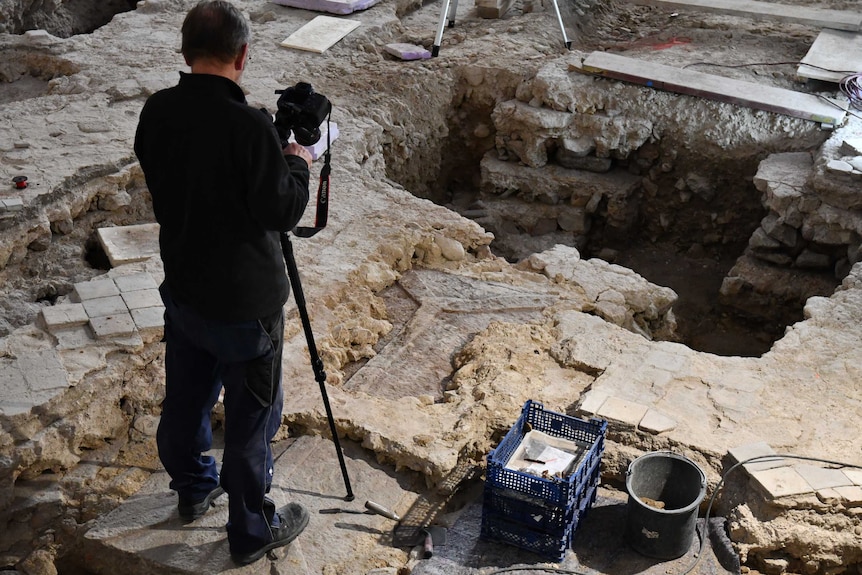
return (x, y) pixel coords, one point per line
(837, 19)
(768, 98)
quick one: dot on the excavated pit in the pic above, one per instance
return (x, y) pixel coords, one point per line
(681, 219)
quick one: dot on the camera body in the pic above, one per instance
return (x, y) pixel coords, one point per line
(301, 110)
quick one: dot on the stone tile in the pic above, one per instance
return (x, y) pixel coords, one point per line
(12, 204)
(661, 359)
(150, 322)
(142, 298)
(74, 337)
(113, 326)
(822, 477)
(128, 244)
(852, 494)
(757, 449)
(656, 422)
(622, 410)
(593, 400)
(855, 475)
(104, 306)
(95, 289)
(135, 282)
(64, 315)
(781, 482)
(42, 370)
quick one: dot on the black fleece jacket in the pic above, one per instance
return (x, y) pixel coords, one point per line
(222, 191)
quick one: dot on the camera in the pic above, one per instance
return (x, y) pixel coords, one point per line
(301, 110)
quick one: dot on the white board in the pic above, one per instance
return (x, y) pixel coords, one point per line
(754, 9)
(833, 55)
(769, 98)
(320, 34)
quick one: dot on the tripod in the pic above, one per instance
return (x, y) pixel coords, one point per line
(448, 13)
(316, 362)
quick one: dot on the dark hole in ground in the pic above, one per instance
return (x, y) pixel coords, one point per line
(65, 19)
(95, 255)
(702, 323)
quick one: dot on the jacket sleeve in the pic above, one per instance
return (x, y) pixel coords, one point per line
(277, 184)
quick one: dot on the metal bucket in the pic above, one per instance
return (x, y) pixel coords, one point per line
(665, 490)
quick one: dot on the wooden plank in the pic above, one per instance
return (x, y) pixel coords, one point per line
(768, 98)
(837, 19)
(320, 34)
(833, 55)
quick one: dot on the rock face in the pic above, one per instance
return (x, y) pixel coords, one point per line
(431, 342)
(63, 17)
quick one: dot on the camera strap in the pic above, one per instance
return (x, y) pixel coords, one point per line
(322, 213)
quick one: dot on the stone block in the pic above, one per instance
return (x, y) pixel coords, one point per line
(821, 477)
(656, 422)
(760, 448)
(855, 475)
(622, 410)
(128, 244)
(95, 289)
(593, 401)
(113, 326)
(149, 318)
(104, 306)
(407, 51)
(142, 299)
(74, 338)
(64, 315)
(781, 482)
(42, 371)
(852, 494)
(12, 205)
(135, 282)
(671, 362)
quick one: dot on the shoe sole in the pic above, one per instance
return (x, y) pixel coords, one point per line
(191, 515)
(252, 557)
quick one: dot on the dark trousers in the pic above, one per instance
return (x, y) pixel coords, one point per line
(201, 357)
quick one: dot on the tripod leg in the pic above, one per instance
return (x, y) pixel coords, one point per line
(316, 362)
(435, 49)
(452, 10)
(566, 40)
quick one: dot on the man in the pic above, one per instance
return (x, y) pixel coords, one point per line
(222, 188)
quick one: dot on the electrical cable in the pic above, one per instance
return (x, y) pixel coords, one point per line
(851, 86)
(704, 534)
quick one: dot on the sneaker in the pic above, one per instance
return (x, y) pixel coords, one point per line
(292, 520)
(191, 510)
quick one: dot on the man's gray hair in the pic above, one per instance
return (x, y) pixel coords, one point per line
(214, 29)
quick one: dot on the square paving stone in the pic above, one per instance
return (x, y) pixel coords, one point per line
(64, 315)
(760, 448)
(622, 410)
(142, 298)
(822, 477)
(135, 282)
(781, 482)
(95, 289)
(113, 326)
(104, 306)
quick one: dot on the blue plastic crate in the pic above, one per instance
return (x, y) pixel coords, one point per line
(550, 546)
(552, 491)
(539, 515)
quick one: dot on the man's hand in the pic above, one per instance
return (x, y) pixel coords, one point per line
(294, 149)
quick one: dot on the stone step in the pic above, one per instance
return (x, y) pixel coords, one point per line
(145, 535)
